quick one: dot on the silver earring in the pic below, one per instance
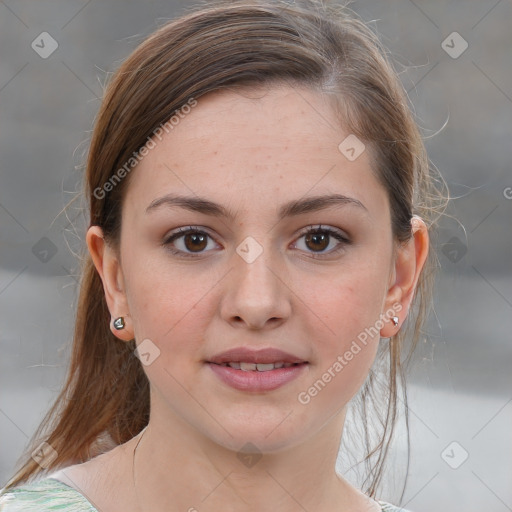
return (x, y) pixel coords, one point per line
(394, 319)
(119, 323)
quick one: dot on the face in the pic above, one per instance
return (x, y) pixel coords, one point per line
(265, 267)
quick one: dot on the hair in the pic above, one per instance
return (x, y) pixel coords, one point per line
(224, 44)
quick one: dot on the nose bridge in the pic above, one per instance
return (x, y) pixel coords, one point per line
(257, 292)
(254, 264)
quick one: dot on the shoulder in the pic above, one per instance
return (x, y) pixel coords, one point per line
(387, 507)
(47, 494)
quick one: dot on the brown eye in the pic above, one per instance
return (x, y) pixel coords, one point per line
(188, 242)
(195, 241)
(317, 240)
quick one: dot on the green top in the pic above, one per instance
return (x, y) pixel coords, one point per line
(50, 494)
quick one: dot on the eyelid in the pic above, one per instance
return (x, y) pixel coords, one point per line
(185, 230)
(326, 228)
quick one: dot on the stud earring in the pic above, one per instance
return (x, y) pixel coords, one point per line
(394, 319)
(119, 323)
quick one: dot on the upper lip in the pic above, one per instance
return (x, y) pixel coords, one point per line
(247, 355)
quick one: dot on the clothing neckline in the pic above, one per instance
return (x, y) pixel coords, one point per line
(83, 497)
(382, 504)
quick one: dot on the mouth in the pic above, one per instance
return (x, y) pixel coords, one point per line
(260, 370)
(251, 359)
(259, 367)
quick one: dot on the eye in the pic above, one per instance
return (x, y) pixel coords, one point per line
(191, 241)
(319, 239)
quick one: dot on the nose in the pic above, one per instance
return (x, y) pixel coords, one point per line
(256, 293)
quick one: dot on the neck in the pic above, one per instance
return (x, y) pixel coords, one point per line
(179, 469)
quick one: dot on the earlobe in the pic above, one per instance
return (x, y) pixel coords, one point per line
(109, 269)
(409, 262)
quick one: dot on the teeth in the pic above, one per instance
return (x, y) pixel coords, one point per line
(260, 367)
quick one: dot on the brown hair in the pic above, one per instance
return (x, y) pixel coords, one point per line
(223, 44)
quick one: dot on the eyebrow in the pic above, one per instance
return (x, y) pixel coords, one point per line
(290, 209)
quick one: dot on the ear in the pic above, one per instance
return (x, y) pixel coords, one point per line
(409, 261)
(108, 266)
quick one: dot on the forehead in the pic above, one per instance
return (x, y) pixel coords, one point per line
(253, 143)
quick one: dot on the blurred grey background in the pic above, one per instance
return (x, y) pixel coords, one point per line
(455, 61)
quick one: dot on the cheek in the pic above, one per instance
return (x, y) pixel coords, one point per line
(348, 301)
(168, 305)
(346, 309)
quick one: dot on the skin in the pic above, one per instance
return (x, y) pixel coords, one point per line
(251, 153)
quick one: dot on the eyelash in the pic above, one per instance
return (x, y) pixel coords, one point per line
(181, 232)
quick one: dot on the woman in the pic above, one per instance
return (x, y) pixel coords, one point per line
(260, 202)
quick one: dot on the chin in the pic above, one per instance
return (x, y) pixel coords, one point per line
(269, 433)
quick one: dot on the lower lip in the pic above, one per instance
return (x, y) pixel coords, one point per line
(254, 380)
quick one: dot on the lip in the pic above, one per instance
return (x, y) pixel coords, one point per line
(247, 355)
(254, 380)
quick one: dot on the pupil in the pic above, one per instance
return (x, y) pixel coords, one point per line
(317, 238)
(198, 239)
